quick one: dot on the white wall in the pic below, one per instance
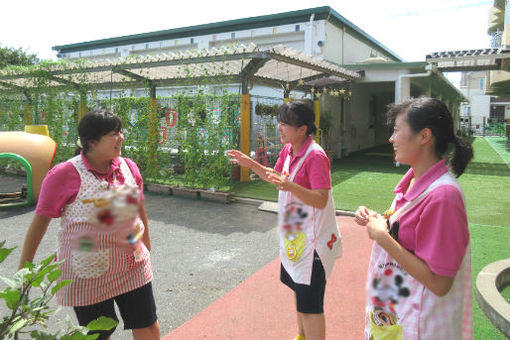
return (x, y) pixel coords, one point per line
(264, 37)
(342, 47)
(480, 107)
(333, 46)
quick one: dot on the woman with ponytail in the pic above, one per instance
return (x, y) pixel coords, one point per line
(419, 276)
(309, 236)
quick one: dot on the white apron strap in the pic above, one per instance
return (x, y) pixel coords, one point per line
(443, 179)
(286, 165)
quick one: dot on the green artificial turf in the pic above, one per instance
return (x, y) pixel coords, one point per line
(488, 244)
(502, 146)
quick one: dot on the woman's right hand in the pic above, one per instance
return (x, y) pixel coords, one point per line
(236, 156)
(362, 214)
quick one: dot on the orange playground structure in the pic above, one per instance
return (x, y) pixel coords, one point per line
(35, 152)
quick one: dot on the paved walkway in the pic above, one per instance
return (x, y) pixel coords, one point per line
(216, 270)
(262, 308)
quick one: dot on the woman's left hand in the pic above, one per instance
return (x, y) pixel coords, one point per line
(280, 181)
(376, 227)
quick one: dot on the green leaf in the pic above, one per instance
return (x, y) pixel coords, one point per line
(45, 269)
(20, 276)
(18, 325)
(42, 271)
(4, 252)
(37, 281)
(11, 283)
(60, 285)
(54, 275)
(79, 336)
(42, 335)
(29, 265)
(102, 324)
(48, 260)
(11, 297)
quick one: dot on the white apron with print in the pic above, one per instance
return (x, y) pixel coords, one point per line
(101, 247)
(401, 308)
(305, 229)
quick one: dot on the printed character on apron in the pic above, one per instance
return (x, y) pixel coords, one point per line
(399, 306)
(120, 205)
(305, 229)
(295, 217)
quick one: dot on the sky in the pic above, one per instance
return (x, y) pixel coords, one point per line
(410, 28)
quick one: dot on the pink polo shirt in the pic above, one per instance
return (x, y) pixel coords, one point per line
(62, 183)
(436, 229)
(315, 172)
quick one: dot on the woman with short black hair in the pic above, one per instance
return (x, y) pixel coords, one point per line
(104, 238)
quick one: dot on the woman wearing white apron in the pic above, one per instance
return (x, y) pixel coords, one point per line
(309, 236)
(419, 276)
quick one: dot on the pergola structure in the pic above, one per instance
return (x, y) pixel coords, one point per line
(469, 60)
(278, 66)
(494, 60)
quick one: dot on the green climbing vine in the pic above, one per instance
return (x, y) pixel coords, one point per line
(180, 141)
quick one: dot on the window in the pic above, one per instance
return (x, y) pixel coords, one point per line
(232, 36)
(192, 41)
(482, 83)
(297, 28)
(146, 46)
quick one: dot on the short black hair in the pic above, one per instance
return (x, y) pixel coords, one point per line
(298, 113)
(95, 124)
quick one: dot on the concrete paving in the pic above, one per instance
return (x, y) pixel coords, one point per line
(263, 308)
(200, 250)
(216, 270)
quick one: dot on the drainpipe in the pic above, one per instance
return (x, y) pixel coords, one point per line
(399, 96)
(311, 34)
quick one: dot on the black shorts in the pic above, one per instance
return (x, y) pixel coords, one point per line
(309, 298)
(137, 308)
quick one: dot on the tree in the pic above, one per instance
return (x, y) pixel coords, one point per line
(10, 56)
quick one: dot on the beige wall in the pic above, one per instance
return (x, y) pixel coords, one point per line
(345, 48)
(333, 44)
